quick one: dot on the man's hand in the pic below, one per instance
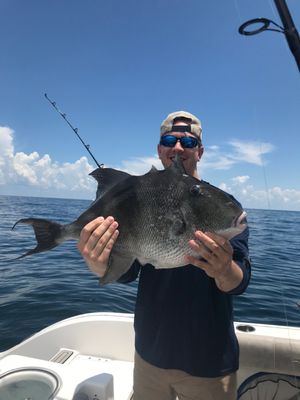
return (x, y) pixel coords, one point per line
(215, 254)
(96, 242)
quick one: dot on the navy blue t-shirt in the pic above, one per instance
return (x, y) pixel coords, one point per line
(183, 321)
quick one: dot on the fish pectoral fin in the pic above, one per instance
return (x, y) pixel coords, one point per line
(178, 227)
(175, 223)
(117, 266)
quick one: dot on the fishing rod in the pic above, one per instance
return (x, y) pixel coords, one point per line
(288, 29)
(87, 146)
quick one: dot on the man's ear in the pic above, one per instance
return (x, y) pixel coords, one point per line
(158, 150)
(200, 152)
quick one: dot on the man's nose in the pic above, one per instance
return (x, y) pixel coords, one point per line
(178, 147)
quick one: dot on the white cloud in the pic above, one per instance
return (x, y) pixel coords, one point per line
(40, 175)
(6, 142)
(240, 179)
(273, 198)
(41, 172)
(216, 161)
(225, 187)
(213, 158)
(140, 165)
(65, 179)
(250, 152)
(288, 196)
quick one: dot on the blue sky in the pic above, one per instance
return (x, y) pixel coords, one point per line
(118, 67)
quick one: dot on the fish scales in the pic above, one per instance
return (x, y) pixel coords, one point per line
(157, 214)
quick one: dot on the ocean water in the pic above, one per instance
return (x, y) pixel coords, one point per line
(47, 287)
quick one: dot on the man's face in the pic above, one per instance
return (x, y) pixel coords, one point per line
(190, 157)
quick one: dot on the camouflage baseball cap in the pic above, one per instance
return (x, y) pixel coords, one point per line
(194, 123)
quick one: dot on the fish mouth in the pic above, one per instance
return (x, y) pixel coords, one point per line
(239, 224)
(240, 221)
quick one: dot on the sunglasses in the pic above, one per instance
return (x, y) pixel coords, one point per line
(187, 142)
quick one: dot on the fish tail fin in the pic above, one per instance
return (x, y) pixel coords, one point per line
(48, 234)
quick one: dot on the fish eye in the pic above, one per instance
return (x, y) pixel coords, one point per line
(196, 190)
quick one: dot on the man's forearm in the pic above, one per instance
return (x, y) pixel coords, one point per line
(231, 279)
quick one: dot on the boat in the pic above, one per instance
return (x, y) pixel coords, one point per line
(90, 357)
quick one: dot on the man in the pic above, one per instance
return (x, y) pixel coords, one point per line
(185, 341)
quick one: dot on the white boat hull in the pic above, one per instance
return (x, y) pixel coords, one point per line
(91, 355)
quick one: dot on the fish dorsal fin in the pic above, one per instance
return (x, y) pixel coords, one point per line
(177, 165)
(107, 178)
(153, 170)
